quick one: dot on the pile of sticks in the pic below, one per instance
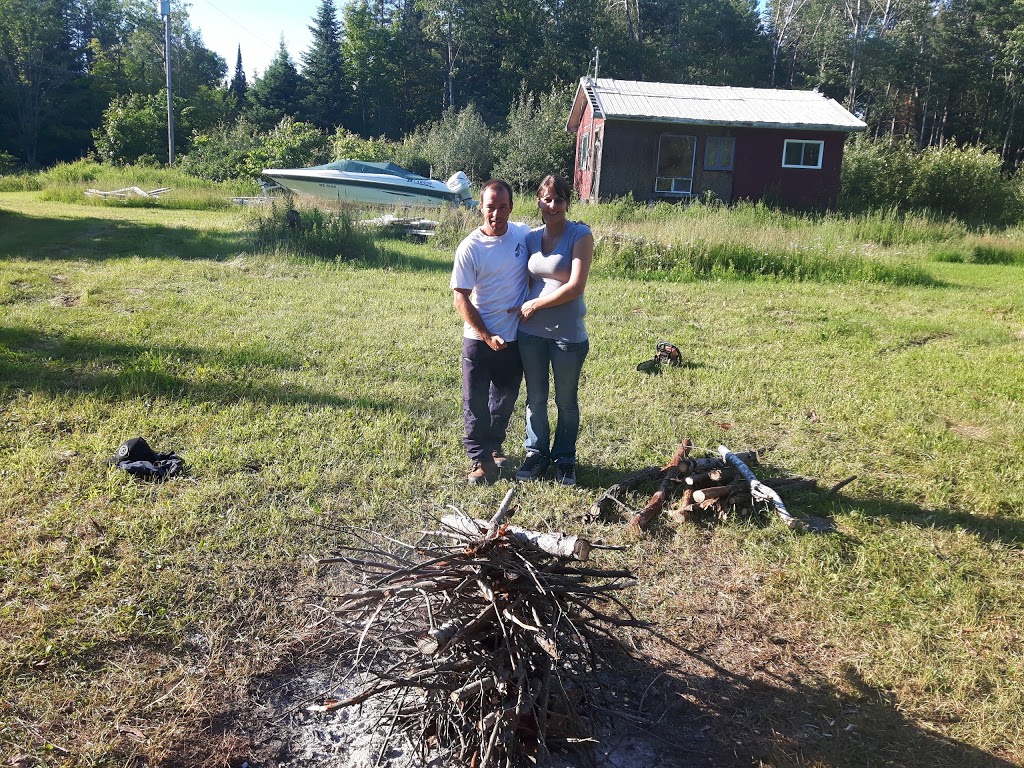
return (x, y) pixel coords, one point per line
(712, 487)
(476, 642)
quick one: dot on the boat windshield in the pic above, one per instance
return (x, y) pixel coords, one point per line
(360, 166)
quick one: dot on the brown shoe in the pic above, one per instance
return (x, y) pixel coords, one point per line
(500, 459)
(483, 473)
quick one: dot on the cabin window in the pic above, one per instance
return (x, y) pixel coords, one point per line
(676, 155)
(584, 158)
(718, 153)
(797, 153)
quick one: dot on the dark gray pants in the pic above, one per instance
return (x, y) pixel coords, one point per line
(490, 386)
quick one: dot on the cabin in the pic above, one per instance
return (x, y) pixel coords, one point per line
(672, 141)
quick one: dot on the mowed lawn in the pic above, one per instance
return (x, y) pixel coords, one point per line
(308, 396)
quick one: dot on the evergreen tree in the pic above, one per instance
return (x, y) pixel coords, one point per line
(370, 58)
(238, 86)
(324, 94)
(276, 94)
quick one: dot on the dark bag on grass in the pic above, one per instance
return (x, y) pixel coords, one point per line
(136, 458)
(666, 353)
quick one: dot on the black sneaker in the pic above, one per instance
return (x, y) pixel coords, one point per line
(534, 467)
(565, 473)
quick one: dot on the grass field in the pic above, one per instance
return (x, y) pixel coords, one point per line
(307, 394)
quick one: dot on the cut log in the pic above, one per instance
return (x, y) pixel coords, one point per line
(681, 512)
(715, 492)
(670, 480)
(705, 479)
(557, 544)
(612, 498)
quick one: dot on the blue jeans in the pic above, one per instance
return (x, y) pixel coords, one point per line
(564, 360)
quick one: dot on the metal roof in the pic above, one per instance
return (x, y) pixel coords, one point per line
(711, 105)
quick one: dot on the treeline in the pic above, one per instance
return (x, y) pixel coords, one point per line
(78, 76)
(930, 71)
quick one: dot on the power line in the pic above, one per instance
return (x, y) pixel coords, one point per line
(240, 25)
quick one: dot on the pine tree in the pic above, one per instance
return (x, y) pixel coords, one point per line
(324, 98)
(238, 87)
(277, 93)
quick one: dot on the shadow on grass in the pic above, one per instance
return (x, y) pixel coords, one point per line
(1001, 529)
(37, 238)
(705, 713)
(392, 257)
(58, 364)
(94, 238)
(662, 704)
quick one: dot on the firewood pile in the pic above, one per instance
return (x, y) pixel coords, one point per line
(709, 488)
(476, 643)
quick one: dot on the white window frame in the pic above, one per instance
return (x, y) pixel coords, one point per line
(805, 142)
(679, 186)
(718, 142)
(584, 155)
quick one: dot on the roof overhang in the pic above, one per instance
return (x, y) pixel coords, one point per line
(663, 98)
(584, 95)
(737, 123)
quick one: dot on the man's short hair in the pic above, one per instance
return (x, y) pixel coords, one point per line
(496, 184)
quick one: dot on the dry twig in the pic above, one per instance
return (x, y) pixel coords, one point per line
(485, 645)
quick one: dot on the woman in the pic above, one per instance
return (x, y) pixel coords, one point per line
(552, 337)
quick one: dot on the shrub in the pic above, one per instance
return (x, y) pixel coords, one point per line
(876, 173)
(133, 125)
(459, 141)
(290, 144)
(78, 172)
(964, 182)
(346, 145)
(411, 152)
(535, 142)
(240, 151)
(222, 153)
(21, 182)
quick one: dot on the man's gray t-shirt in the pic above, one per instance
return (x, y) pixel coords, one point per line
(549, 272)
(494, 268)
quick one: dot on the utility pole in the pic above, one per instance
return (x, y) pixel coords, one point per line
(165, 12)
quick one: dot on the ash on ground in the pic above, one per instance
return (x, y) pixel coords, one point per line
(287, 732)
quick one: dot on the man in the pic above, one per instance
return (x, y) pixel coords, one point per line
(490, 276)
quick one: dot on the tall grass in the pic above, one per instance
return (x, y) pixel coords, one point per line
(283, 229)
(887, 227)
(702, 259)
(67, 182)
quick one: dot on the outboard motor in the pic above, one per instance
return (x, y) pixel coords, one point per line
(459, 185)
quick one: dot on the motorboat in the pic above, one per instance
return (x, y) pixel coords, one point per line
(379, 183)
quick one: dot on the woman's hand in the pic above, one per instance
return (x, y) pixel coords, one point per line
(526, 310)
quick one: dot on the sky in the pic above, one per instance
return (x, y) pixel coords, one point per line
(256, 25)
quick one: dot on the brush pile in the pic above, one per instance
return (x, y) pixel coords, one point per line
(476, 644)
(713, 487)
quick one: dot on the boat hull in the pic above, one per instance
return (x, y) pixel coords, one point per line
(364, 188)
